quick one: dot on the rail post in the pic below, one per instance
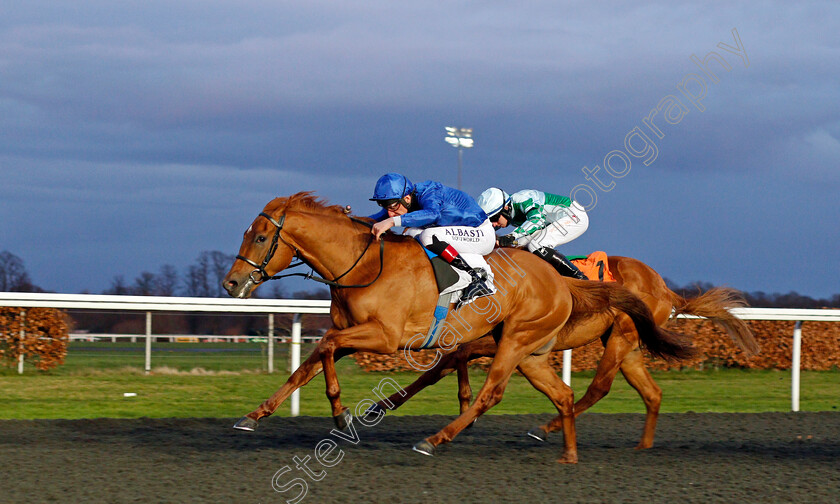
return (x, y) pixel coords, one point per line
(148, 342)
(22, 336)
(295, 354)
(567, 367)
(794, 366)
(270, 342)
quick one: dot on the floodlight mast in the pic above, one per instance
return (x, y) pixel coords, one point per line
(460, 138)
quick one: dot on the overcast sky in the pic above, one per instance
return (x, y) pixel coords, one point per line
(137, 134)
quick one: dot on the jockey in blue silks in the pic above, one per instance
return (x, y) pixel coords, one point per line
(446, 221)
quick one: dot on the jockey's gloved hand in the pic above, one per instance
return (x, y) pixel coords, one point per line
(507, 240)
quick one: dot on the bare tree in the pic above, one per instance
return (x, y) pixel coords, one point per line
(278, 291)
(166, 283)
(195, 281)
(145, 284)
(13, 275)
(118, 287)
(204, 278)
(219, 264)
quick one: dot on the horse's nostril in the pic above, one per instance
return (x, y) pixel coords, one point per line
(231, 284)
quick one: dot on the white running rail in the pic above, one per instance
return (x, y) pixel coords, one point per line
(151, 304)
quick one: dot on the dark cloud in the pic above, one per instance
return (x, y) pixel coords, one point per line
(184, 119)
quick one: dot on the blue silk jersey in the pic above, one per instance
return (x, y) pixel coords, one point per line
(439, 205)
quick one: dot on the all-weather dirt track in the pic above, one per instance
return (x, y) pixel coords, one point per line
(710, 457)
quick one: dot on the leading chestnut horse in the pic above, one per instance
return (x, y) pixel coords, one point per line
(383, 296)
(622, 347)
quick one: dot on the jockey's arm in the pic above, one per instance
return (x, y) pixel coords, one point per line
(429, 212)
(535, 220)
(382, 226)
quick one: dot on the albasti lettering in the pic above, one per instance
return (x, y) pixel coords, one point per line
(464, 232)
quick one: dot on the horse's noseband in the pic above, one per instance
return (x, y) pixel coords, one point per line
(262, 275)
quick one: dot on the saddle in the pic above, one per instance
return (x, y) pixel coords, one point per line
(445, 274)
(595, 266)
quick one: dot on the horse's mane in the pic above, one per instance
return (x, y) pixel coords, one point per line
(303, 201)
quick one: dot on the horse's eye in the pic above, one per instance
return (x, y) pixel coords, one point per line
(260, 239)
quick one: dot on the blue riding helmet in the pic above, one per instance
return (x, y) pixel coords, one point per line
(391, 186)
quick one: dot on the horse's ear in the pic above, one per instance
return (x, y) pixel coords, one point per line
(346, 209)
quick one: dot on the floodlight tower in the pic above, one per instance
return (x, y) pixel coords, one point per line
(460, 138)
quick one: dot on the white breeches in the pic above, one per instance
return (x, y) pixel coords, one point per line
(558, 232)
(472, 243)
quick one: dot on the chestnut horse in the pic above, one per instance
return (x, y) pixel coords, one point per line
(621, 345)
(383, 296)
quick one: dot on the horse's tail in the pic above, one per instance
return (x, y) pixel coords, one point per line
(713, 305)
(591, 297)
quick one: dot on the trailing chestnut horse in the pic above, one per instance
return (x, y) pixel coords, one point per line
(622, 345)
(384, 295)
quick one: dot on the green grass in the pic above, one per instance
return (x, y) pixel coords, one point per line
(88, 387)
(229, 379)
(84, 356)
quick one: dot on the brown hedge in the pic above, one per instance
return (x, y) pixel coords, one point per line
(820, 349)
(44, 343)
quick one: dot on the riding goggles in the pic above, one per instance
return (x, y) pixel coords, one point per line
(389, 204)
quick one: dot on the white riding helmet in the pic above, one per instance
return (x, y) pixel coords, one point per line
(493, 201)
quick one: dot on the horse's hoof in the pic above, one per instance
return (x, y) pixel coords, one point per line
(424, 447)
(246, 424)
(374, 412)
(538, 434)
(568, 459)
(343, 419)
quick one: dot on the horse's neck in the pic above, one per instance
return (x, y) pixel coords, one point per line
(330, 244)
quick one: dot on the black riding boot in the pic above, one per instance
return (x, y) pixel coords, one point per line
(478, 287)
(560, 263)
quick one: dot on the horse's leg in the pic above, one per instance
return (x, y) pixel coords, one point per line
(458, 359)
(341, 414)
(464, 389)
(312, 366)
(446, 365)
(363, 337)
(634, 371)
(543, 377)
(482, 347)
(302, 375)
(489, 395)
(508, 356)
(616, 349)
(623, 350)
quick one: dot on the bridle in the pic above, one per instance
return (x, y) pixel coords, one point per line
(262, 275)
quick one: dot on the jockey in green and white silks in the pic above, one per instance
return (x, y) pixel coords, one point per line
(542, 221)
